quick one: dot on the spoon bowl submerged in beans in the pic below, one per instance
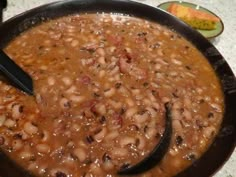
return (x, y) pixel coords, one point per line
(101, 82)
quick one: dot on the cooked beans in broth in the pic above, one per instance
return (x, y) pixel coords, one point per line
(101, 82)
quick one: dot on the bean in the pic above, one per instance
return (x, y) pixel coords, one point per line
(76, 98)
(112, 49)
(42, 169)
(176, 115)
(82, 144)
(71, 31)
(151, 97)
(101, 52)
(102, 73)
(173, 151)
(24, 135)
(47, 42)
(2, 119)
(9, 123)
(96, 169)
(130, 102)
(80, 153)
(147, 102)
(51, 81)
(75, 127)
(191, 156)
(43, 148)
(165, 99)
(133, 127)
(67, 81)
(71, 90)
(56, 36)
(157, 67)
(64, 103)
(27, 155)
(69, 161)
(115, 104)
(45, 136)
(32, 117)
(208, 132)
(152, 111)
(6, 88)
(74, 43)
(141, 142)
(32, 166)
(156, 105)
(150, 132)
(124, 91)
(26, 60)
(177, 62)
(177, 105)
(119, 152)
(131, 111)
(216, 107)
(161, 53)
(10, 105)
(101, 109)
(23, 44)
(187, 114)
(110, 92)
(69, 39)
(187, 103)
(124, 141)
(115, 72)
(112, 135)
(17, 110)
(17, 144)
(141, 118)
(175, 162)
(136, 91)
(102, 60)
(71, 27)
(100, 135)
(199, 90)
(190, 74)
(108, 31)
(139, 97)
(173, 73)
(116, 77)
(108, 165)
(30, 128)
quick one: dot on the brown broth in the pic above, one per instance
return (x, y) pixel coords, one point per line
(101, 82)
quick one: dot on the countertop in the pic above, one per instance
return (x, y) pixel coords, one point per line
(225, 43)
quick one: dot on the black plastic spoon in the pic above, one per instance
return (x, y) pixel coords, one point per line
(3, 5)
(10, 69)
(157, 153)
(15, 74)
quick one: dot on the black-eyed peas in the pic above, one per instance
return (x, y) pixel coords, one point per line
(101, 82)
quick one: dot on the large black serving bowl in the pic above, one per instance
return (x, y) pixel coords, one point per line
(225, 141)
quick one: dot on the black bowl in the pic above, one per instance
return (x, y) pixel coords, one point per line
(225, 141)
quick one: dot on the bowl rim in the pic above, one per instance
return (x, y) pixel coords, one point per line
(227, 134)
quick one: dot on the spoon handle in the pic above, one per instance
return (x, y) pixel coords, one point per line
(158, 152)
(18, 77)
